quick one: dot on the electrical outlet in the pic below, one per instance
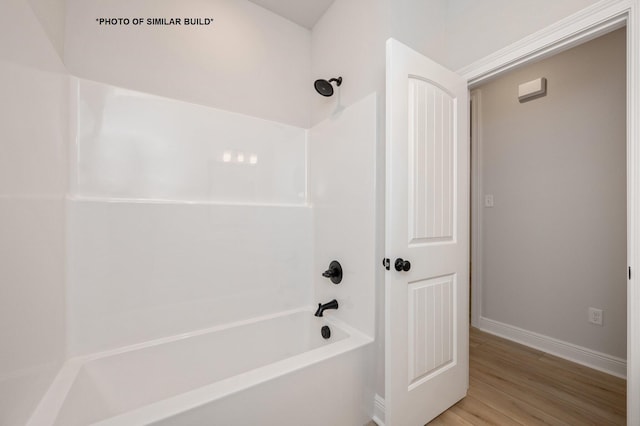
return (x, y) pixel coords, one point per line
(595, 316)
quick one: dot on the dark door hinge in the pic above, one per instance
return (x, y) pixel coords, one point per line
(629, 272)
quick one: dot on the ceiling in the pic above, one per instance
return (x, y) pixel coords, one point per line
(303, 12)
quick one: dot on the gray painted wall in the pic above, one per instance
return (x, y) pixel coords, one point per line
(554, 244)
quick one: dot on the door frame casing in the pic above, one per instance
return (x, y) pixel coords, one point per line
(587, 24)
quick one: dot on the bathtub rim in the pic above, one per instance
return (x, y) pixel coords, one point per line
(52, 401)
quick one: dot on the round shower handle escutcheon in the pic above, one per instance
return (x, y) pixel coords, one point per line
(334, 272)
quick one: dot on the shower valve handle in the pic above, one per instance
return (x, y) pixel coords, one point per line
(334, 273)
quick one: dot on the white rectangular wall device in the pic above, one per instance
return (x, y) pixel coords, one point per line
(532, 89)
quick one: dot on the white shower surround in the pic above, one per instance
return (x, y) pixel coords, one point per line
(151, 262)
(139, 271)
(164, 234)
(136, 146)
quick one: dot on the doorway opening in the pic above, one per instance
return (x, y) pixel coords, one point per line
(549, 204)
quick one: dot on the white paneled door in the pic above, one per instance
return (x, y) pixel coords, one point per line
(427, 238)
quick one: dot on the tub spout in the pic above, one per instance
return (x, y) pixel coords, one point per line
(329, 305)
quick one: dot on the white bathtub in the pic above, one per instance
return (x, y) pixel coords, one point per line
(275, 370)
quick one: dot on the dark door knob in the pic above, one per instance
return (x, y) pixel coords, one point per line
(402, 265)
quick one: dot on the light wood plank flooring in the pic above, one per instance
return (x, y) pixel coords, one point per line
(511, 384)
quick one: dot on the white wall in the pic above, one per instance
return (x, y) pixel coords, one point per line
(33, 166)
(555, 242)
(249, 60)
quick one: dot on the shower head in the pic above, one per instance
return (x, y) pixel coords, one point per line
(324, 87)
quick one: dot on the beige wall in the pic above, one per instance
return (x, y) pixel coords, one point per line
(51, 15)
(476, 29)
(348, 41)
(554, 244)
(249, 60)
(33, 170)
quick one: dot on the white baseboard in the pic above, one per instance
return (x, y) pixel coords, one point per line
(578, 354)
(378, 410)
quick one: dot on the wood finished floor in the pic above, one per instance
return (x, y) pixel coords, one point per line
(512, 384)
